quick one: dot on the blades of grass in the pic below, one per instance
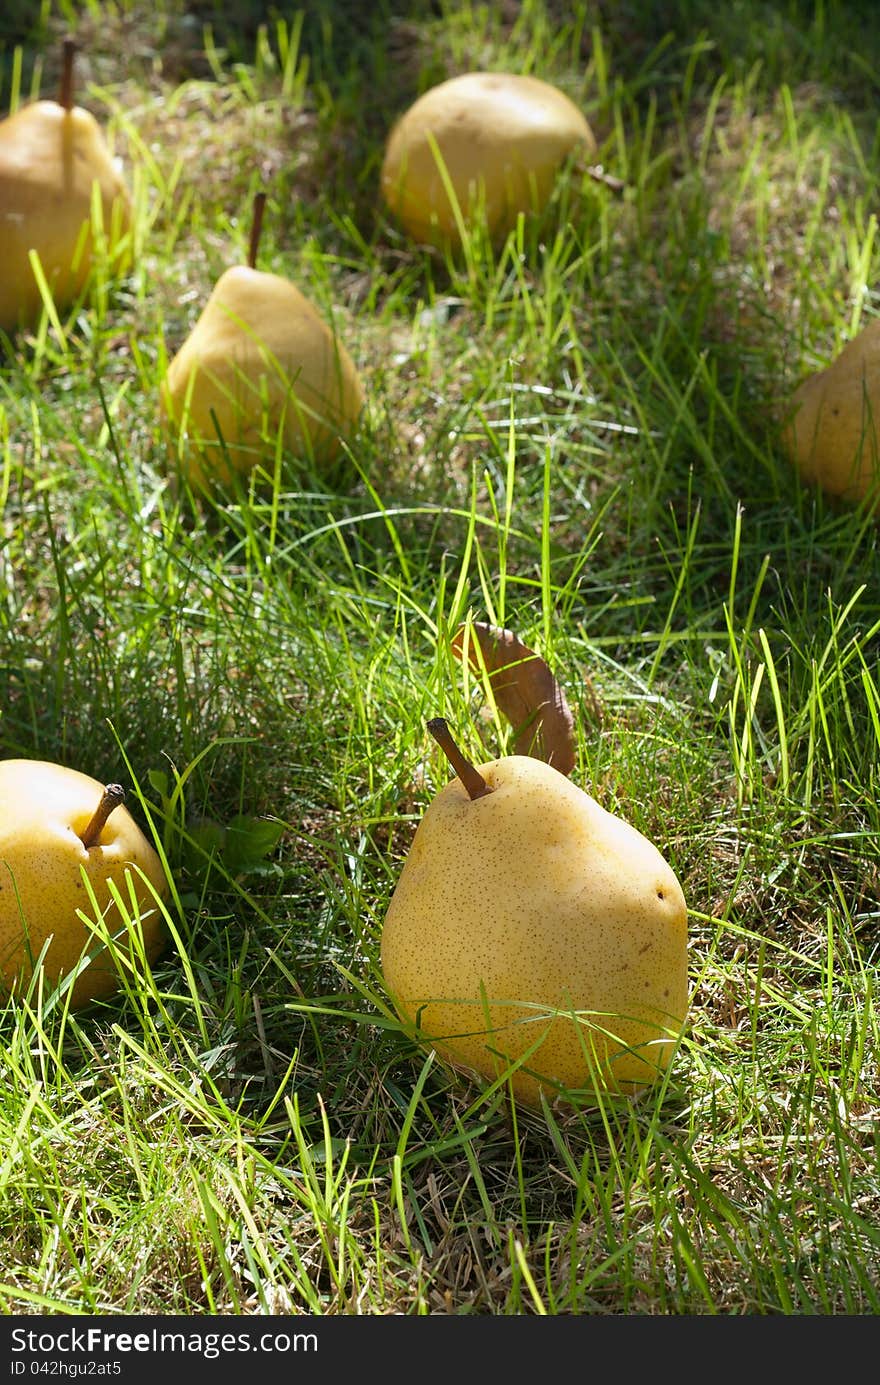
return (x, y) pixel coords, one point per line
(683, 575)
(15, 79)
(215, 1222)
(780, 711)
(519, 1259)
(50, 312)
(547, 603)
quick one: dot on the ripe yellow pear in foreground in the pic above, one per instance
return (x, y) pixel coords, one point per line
(260, 362)
(53, 156)
(833, 437)
(55, 822)
(528, 923)
(499, 139)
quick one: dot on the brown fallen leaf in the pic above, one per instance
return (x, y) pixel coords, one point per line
(525, 690)
(598, 175)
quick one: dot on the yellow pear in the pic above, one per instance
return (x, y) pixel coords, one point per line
(497, 138)
(259, 362)
(530, 926)
(53, 155)
(55, 824)
(833, 436)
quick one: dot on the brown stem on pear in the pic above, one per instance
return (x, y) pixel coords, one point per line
(256, 229)
(469, 775)
(113, 795)
(68, 53)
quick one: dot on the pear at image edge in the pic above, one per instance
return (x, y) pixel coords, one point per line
(535, 895)
(833, 435)
(501, 138)
(260, 364)
(45, 808)
(53, 154)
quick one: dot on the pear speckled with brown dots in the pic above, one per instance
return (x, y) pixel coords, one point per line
(44, 810)
(533, 924)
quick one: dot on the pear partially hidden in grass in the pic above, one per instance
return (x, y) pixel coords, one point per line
(833, 435)
(482, 145)
(56, 174)
(260, 368)
(535, 933)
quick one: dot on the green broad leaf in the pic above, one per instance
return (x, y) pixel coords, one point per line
(158, 780)
(248, 842)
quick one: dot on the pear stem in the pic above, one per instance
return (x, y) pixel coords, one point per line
(469, 775)
(68, 53)
(256, 229)
(113, 795)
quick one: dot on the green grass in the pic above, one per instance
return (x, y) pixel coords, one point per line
(574, 434)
